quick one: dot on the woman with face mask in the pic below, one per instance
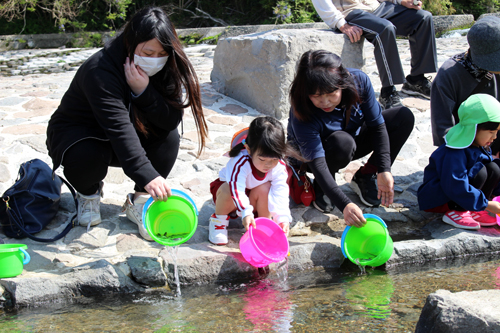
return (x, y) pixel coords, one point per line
(122, 109)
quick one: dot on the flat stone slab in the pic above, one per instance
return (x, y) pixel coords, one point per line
(96, 278)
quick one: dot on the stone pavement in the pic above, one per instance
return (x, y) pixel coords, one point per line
(113, 257)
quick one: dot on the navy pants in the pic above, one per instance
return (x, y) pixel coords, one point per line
(342, 148)
(486, 180)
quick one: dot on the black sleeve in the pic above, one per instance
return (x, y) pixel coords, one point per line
(381, 149)
(157, 109)
(327, 183)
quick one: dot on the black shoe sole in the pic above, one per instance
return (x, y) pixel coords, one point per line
(415, 93)
(317, 207)
(356, 189)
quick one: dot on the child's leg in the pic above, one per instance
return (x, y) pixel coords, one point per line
(259, 199)
(224, 203)
(217, 228)
(487, 179)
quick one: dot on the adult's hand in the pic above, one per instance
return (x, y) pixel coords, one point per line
(354, 33)
(385, 184)
(158, 188)
(411, 4)
(353, 216)
(137, 79)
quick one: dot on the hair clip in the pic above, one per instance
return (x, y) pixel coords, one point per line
(244, 141)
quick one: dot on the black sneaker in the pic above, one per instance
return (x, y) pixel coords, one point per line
(319, 203)
(390, 101)
(421, 88)
(365, 187)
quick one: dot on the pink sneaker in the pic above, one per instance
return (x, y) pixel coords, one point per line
(484, 219)
(462, 220)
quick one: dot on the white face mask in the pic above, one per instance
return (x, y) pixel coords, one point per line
(150, 65)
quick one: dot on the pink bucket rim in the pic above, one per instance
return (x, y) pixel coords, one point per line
(259, 219)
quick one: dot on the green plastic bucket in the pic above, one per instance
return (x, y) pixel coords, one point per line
(370, 245)
(171, 222)
(13, 257)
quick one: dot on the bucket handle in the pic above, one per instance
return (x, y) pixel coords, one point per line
(175, 192)
(27, 257)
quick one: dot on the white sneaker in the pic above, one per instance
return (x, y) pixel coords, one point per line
(134, 212)
(217, 230)
(89, 213)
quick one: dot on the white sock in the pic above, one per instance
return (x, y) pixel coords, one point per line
(221, 217)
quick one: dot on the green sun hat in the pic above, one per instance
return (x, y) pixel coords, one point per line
(476, 109)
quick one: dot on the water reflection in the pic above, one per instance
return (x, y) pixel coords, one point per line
(308, 301)
(267, 308)
(372, 291)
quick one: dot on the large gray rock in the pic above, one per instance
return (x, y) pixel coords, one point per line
(201, 263)
(466, 311)
(147, 271)
(257, 69)
(489, 14)
(204, 263)
(95, 278)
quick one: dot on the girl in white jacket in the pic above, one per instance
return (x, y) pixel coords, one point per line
(253, 181)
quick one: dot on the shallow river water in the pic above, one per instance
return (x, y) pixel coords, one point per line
(342, 300)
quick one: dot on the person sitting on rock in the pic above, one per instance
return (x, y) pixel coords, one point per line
(335, 119)
(380, 22)
(476, 70)
(462, 176)
(122, 109)
(253, 181)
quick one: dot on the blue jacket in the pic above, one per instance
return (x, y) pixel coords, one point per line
(446, 178)
(309, 136)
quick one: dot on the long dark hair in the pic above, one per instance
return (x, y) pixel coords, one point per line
(178, 73)
(320, 72)
(266, 137)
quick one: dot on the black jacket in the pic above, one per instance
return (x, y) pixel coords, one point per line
(98, 105)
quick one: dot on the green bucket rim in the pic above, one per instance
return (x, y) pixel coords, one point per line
(167, 242)
(380, 258)
(12, 247)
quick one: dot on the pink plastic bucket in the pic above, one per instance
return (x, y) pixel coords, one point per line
(264, 245)
(498, 216)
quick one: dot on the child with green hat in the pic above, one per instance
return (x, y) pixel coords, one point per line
(462, 175)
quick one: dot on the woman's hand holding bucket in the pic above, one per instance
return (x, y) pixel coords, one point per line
(158, 188)
(353, 216)
(171, 222)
